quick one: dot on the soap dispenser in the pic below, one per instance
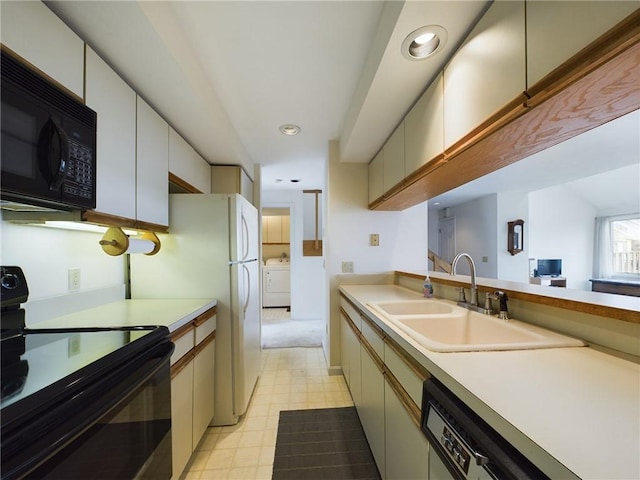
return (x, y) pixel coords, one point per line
(427, 287)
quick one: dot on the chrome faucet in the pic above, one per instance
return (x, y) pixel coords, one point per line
(472, 266)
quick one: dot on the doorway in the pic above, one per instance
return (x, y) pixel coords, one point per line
(447, 238)
(281, 259)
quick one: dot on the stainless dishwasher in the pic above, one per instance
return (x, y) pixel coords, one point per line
(463, 446)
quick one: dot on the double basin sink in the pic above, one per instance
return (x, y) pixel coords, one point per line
(442, 326)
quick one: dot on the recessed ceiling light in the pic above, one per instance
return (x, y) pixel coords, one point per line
(424, 42)
(289, 129)
(278, 180)
(295, 180)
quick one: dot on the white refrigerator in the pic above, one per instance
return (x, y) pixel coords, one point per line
(212, 252)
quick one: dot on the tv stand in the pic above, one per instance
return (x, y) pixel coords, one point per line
(549, 281)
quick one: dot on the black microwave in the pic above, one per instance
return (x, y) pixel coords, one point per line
(48, 142)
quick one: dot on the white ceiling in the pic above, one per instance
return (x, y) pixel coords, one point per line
(227, 74)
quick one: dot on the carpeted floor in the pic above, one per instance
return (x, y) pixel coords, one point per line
(324, 443)
(280, 331)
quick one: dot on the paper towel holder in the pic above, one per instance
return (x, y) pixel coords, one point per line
(115, 242)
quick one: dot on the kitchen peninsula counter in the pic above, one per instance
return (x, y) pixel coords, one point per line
(572, 411)
(171, 313)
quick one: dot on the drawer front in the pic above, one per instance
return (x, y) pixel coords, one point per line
(183, 345)
(354, 315)
(407, 378)
(205, 329)
(373, 338)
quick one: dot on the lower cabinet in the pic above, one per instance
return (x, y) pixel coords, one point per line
(400, 449)
(181, 418)
(406, 447)
(372, 407)
(192, 387)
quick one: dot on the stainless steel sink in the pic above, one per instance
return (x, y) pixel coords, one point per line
(443, 327)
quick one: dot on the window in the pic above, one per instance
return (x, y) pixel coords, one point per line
(617, 247)
(625, 243)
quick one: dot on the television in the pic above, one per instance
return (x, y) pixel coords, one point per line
(549, 267)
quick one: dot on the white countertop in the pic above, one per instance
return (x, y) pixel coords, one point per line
(570, 410)
(171, 313)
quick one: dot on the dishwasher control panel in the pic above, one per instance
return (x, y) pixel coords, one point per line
(455, 448)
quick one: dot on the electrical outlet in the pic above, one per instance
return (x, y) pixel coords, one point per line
(74, 345)
(74, 279)
(347, 267)
(485, 259)
(374, 240)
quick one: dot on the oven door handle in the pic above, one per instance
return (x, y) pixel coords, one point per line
(54, 153)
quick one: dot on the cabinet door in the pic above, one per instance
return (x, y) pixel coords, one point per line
(181, 419)
(406, 446)
(344, 350)
(424, 128)
(376, 174)
(187, 164)
(152, 166)
(286, 229)
(393, 161)
(203, 375)
(274, 229)
(557, 30)
(115, 104)
(487, 72)
(35, 33)
(371, 409)
(353, 354)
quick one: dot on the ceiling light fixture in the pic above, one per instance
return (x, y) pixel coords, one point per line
(295, 180)
(289, 129)
(424, 42)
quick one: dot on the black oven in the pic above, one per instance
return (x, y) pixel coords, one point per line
(48, 142)
(82, 403)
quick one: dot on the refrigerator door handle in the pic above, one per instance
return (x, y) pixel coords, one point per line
(245, 236)
(242, 262)
(248, 290)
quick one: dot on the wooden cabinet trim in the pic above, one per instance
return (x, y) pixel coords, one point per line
(93, 216)
(405, 399)
(203, 317)
(600, 74)
(180, 365)
(176, 180)
(204, 343)
(182, 331)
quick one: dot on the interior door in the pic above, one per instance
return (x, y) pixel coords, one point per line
(447, 238)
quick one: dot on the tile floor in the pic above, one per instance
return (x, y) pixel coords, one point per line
(291, 379)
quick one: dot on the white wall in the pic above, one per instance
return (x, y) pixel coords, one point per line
(307, 273)
(46, 255)
(403, 235)
(562, 226)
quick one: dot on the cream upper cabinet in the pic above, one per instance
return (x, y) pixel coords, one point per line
(152, 166)
(487, 72)
(276, 229)
(376, 172)
(36, 34)
(393, 161)
(187, 164)
(231, 179)
(557, 30)
(424, 128)
(115, 104)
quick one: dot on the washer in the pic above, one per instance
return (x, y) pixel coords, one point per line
(276, 283)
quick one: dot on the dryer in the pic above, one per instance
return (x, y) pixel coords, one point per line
(276, 283)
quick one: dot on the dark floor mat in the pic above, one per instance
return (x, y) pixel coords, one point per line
(326, 443)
